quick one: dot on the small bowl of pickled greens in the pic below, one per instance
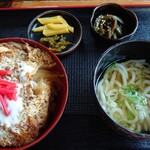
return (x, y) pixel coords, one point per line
(113, 23)
(121, 85)
(58, 30)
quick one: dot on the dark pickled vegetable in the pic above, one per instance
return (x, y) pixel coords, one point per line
(109, 26)
(56, 43)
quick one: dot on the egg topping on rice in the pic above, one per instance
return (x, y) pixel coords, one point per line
(28, 84)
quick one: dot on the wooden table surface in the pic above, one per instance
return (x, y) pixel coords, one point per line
(20, 4)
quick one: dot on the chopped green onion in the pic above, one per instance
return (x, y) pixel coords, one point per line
(132, 95)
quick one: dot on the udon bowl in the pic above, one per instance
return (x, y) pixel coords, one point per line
(60, 98)
(124, 51)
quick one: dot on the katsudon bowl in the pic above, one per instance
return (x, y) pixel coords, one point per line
(122, 88)
(34, 92)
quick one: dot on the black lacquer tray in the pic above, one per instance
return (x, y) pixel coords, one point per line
(81, 126)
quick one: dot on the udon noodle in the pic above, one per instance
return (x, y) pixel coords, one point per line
(124, 93)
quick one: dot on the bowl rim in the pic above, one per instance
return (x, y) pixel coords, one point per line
(73, 47)
(61, 111)
(106, 117)
(121, 7)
